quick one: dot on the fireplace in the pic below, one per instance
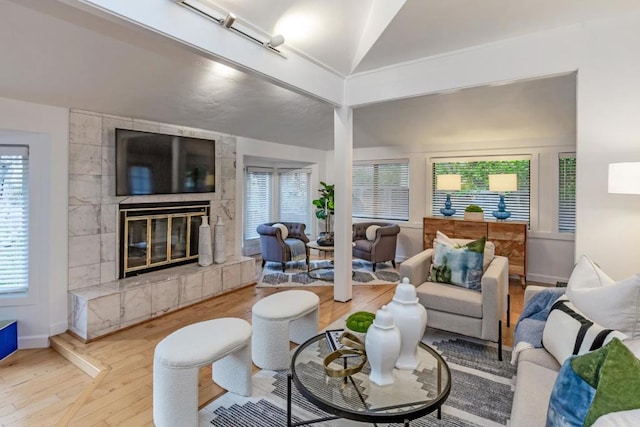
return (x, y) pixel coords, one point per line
(159, 235)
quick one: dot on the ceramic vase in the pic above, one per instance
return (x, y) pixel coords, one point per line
(205, 257)
(382, 345)
(410, 317)
(219, 254)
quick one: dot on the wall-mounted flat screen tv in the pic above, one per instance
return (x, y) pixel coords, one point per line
(153, 163)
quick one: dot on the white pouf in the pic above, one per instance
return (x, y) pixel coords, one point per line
(278, 318)
(226, 343)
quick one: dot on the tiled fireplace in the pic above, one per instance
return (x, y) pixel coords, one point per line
(101, 298)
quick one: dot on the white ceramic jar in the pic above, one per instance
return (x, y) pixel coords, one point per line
(383, 347)
(410, 317)
(205, 257)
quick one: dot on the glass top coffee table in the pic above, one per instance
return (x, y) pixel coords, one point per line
(412, 395)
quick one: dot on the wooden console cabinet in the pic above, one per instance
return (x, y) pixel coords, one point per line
(510, 238)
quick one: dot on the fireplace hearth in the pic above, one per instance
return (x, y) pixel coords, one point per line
(159, 235)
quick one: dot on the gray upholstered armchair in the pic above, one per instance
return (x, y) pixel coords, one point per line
(456, 309)
(381, 248)
(275, 248)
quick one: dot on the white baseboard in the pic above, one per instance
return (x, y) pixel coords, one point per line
(58, 328)
(34, 341)
(541, 278)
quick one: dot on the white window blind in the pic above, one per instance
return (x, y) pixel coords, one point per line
(14, 219)
(295, 196)
(258, 200)
(475, 185)
(567, 193)
(381, 190)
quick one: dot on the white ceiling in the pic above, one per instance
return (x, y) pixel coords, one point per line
(55, 54)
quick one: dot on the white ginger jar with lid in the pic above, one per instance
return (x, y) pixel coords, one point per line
(410, 317)
(382, 345)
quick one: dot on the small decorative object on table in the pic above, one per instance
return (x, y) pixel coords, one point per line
(410, 317)
(383, 347)
(205, 257)
(344, 345)
(358, 323)
(474, 213)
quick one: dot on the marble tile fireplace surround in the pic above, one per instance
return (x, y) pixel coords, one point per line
(99, 302)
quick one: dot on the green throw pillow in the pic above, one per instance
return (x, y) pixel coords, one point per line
(614, 372)
(459, 265)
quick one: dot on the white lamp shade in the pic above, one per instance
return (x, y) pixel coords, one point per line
(503, 182)
(624, 178)
(449, 182)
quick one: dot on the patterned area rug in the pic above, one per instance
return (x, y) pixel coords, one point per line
(296, 274)
(481, 392)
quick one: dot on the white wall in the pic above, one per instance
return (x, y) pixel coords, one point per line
(45, 129)
(608, 225)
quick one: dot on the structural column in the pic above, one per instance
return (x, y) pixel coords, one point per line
(343, 149)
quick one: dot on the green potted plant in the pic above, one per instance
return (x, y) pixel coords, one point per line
(325, 205)
(474, 213)
(357, 323)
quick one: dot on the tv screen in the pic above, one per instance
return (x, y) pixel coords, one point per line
(153, 163)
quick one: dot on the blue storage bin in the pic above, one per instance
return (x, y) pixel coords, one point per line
(8, 337)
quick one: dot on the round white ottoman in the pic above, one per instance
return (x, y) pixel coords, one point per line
(278, 318)
(177, 359)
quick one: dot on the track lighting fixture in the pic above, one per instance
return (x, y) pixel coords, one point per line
(227, 22)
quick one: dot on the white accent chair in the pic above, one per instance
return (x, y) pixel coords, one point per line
(225, 342)
(279, 318)
(457, 309)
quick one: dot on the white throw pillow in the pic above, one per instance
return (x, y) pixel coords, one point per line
(371, 232)
(613, 305)
(568, 331)
(629, 418)
(283, 230)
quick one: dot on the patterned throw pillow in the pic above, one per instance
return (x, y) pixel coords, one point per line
(568, 331)
(594, 384)
(458, 265)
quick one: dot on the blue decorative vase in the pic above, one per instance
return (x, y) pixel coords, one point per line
(447, 210)
(501, 213)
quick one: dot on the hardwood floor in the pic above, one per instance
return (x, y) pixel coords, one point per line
(114, 387)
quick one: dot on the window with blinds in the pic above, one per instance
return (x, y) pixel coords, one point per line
(474, 174)
(567, 193)
(295, 196)
(14, 219)
(381, 190)
(258, 198)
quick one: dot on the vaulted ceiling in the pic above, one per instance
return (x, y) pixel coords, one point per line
(57, 54)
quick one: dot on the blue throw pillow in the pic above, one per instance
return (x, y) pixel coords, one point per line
(460, 265)
(571, 398)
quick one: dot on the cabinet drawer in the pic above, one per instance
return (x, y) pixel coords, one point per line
(469, 230)
(507, 231)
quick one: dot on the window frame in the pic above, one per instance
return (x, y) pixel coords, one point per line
(25, 236)
(434, 205)
(405, 174)
(561, 157)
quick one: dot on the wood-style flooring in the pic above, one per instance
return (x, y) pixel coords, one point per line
(109, 382)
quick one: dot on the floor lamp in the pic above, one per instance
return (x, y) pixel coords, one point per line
(624, 178)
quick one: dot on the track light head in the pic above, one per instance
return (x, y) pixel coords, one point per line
(229, 20)
(275, 41)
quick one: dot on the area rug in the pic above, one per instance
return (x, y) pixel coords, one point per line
(481, 392)
(296, 274)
